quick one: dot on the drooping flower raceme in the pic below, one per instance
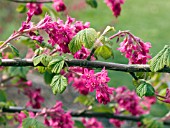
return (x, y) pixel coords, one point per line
(98, 81)
(60, 33)
(135, 50)
(129, 101)
(115, 6)
(35, 98)
(55, 117)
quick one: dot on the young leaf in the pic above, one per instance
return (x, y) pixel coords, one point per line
(58, 84)
(92, 3)
(108, 29)
(44, 59)
(37, 60)
(14, 49)
(21, 8)
(104, 51)
(85, 37)
(32, 123)
(161, 60)
(56, 65)
(145, 89)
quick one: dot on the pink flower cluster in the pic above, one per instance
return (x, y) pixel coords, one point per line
(35, 98)
(76, 72)
(92, 123)
(115, 6)
(98, 81)
(60, 33)
(86, 80)
(55, 117)
(129, 101)
(135, 50)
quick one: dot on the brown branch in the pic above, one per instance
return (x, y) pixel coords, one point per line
(82, 114)
(88, 64)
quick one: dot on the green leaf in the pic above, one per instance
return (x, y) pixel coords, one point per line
(41, 69)
(161, 60)
(145, 89)
(21, 8)
(104, 51)
(14, 49)
(3, 97)
(18, 71)
(58, 84)
(32, 123)
(92, 3)
(44, 59)
(78, 124)
(3, 120)
(37, 60)
(85, 100)
(56, 64)
(85, 37)
(48, 77)
(108, 29)
(150, 122)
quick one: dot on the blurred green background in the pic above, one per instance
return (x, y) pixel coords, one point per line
(147, 19)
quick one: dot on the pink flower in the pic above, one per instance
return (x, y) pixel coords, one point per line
(79, 84)
(128, 100)
(83, 53)
(115, 6)
(35, 7)
(103, 94)
(55, 117)
(102, 77)
(92, 123)
(59, 5)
